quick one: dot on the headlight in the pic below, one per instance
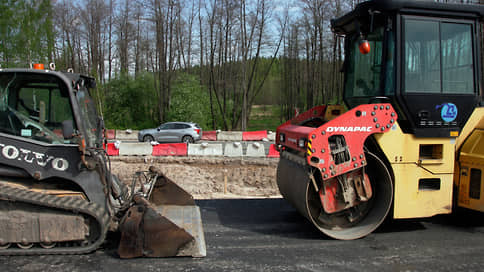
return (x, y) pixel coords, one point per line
(302, 143)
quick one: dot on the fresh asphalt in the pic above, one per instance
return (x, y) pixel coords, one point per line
(269, 235)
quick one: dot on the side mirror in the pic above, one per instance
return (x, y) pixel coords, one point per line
(67, 129)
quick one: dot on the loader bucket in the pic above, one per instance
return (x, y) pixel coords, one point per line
(167, 225)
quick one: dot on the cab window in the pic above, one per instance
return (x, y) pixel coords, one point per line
(34, 106)
(438, 57)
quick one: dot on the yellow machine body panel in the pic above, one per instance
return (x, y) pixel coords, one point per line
(333, 111)
(423, 173)
(470, 164)
(476, 121)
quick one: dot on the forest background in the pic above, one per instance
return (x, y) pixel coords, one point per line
(224, 64)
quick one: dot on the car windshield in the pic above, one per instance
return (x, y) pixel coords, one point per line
(34, 106)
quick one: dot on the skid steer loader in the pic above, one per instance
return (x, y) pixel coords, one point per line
(412, 140)
(57, 193)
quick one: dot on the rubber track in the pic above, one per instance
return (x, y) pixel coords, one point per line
(70, 204)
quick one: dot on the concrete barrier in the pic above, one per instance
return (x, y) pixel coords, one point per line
(205, 149)
(233, 150)
(254, 135)
(255, 150)
(232, 136)
(228, 136)
(110, 134)
(271, 136)
(112, 150)
(178, 149)
(135, 149)
(209, 135)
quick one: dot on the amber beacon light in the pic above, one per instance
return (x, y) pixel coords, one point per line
(38, 66)
(364, 47)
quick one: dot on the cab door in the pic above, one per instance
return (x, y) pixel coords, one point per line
(439, 75)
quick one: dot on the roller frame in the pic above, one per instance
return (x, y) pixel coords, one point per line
(333, 155)
(355, 126)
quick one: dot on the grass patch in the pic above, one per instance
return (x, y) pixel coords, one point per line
(264, 117)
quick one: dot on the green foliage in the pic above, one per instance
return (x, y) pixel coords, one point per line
(270, 92)
(26, 32)
(131, 102)
(190, 102)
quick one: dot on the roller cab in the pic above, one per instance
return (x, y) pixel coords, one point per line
(412, 81)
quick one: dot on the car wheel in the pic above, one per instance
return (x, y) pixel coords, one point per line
(187, 139)
(148, 138)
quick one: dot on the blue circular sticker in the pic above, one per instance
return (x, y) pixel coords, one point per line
(449, 112)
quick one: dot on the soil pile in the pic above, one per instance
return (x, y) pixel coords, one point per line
(207, 178)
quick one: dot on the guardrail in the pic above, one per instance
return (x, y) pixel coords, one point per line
(229, 149)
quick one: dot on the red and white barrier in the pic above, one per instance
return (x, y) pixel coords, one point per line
(205, 149)
(229, 136)
(111, 134)
(135, 149)
(209, 135)
(273, 153)
(254, 135)
(253, 149)
(112, 150)
(178, 149)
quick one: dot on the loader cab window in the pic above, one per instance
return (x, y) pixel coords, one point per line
(89, 115)
(34, 106)
(45, 103)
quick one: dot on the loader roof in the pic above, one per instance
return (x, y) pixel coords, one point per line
(73, 78)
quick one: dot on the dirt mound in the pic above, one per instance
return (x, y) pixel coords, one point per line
(207, 178)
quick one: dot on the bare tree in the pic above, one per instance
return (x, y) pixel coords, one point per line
(191, 19)
(92, 15)
(230, 44)
(165, 17)
(252, 27)
(66, 22)
(110, 38)
(124, 31)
